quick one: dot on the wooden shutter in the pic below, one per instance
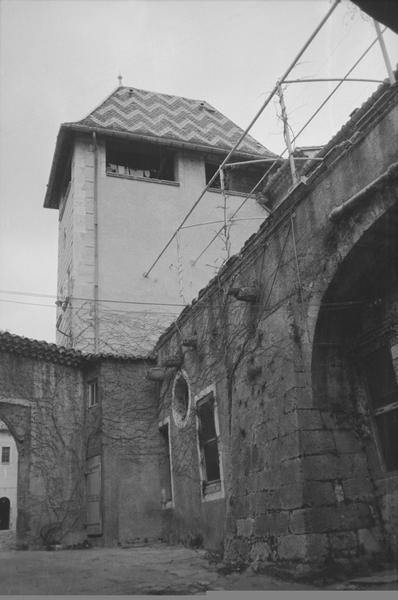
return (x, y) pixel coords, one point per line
(93, 495)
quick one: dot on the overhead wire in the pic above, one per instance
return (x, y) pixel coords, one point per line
(293, 139)
(100, 300)
(244, 134)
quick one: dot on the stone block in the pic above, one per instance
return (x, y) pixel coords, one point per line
(346, 442)
(317, 547)
(316, 441)
(266, 500)
(321, 467)
(271, 524)
(259, 551)
(289, 445)
(342, 541)
(291, 496)
(353, 465)
(236, 549)
(318, 493)
(292, 547)
(244, 527)
(330, 518)
(288, 423)
(357, 489)
(369, 540)
(310, 419)
(290, 470)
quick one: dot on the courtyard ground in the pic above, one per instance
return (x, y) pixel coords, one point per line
(146, 570)
(159, 570)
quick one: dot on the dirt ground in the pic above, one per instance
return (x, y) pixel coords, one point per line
(146, 570)
(160, 570)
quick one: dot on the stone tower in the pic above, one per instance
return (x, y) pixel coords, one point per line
(122, 179)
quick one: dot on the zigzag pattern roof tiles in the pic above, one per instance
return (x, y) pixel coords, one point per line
(180, 119)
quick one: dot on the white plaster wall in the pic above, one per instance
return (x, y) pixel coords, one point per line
(9, 474)
(135, 220)
(76, 251)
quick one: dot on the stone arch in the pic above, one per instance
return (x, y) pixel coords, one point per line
(342, 238)
(358, 315)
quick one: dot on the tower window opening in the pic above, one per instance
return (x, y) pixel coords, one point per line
(148, 162)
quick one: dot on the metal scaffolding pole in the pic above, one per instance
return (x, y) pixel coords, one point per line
(286, 135)
(248, 128)
(384, 52)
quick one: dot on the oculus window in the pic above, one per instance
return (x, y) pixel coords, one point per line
(181, 399)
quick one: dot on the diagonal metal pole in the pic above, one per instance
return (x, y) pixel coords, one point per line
(384, 52)
(341, 81)
(246, 131)
(286, 135)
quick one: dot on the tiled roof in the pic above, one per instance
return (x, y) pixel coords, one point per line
(40, 350)
(172, 117)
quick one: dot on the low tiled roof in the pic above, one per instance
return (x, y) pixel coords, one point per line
(173, 117)
(41, 350)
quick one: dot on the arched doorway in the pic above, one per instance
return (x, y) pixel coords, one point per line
(355, 384)
(4, 513)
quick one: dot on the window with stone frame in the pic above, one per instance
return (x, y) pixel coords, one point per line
(208, 444)
(383, 392)
(165, 467)
(5, 454)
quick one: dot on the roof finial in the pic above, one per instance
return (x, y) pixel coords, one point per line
(120, 78)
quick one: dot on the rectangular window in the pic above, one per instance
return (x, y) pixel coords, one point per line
(383, 390)
(5, 454)
(210, 170)
(208, 442)
(92, 394)
(239, 179)
(165, 468)
(143, 162)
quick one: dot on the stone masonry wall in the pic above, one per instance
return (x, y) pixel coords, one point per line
(41, 403)
(255, 326)
(131, 452)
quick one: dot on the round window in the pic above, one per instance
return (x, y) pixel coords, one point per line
(181, 399)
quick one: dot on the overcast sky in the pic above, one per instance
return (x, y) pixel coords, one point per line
(59, 59)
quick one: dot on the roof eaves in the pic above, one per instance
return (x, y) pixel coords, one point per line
(171, 142)
(41, 350)
(56, 165)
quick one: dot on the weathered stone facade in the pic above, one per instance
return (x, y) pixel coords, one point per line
(44, 403)
(40, 404)
(305, 479)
